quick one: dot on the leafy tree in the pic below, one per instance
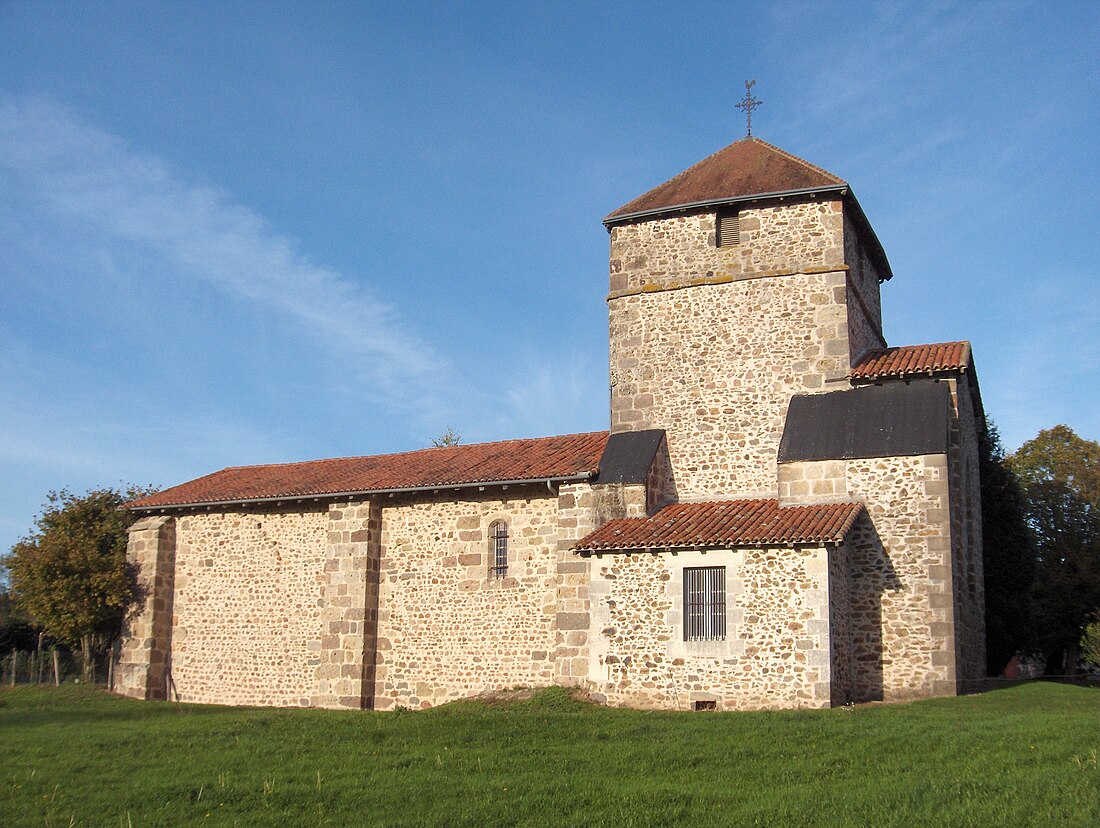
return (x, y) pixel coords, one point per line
(1008, 555)
(70, 576)
(1090, 642)
(450, 437)
(1060, 476)
(16, 631)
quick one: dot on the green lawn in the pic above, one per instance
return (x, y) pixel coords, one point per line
(1024, 755)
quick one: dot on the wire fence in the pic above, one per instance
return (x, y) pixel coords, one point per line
(55, 666)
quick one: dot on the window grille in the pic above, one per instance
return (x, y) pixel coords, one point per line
(705, 603)
(498, 548)
(729, 230)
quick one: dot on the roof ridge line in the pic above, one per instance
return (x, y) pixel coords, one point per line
(410, 451)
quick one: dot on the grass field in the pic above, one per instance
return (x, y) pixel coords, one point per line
(1024, 755)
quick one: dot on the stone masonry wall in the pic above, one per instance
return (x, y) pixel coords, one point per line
(776, 650)
(660, 486)
(447, 628)
(344, 652)
(145, 656)
(840, 624)
(775, 238)
(903, 623)
(249, 596)
(966, 537)
(583, 508)
(864, 299)
(716, 365)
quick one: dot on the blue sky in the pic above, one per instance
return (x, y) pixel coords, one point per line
(247, 233)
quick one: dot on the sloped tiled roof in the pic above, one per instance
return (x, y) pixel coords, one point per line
(745, 168)
(912, 360)
(569, 456)
(725, 523)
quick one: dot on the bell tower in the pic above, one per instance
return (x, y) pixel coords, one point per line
(747, 278)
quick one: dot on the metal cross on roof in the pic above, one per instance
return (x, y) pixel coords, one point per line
(749, 104)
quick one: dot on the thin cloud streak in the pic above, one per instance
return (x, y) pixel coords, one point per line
(91, 176)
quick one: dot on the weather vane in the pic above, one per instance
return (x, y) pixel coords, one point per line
(749, 104)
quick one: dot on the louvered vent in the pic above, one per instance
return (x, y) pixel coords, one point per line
(729, 230)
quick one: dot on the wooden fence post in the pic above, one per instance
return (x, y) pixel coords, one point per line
(56, 670)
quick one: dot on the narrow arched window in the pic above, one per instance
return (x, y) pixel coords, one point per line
(498, 548)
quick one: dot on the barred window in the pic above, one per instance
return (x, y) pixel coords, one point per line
(498, 548)
(704, 603)
(729, 229)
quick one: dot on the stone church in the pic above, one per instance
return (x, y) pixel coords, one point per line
(784, 512)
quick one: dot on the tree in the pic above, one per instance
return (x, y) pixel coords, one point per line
(16, 631)
(71, 576)
(1090, 642)
(1008, 555)
(1060, 476)
(450, 437)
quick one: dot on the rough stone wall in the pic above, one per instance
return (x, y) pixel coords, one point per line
(864, 299)
(966, 537)
(248, 604)
(447, 628)
(903, 621)
(716, 365)
(820, 481)
(840, 625)
(660, 486)
(343, 654)
(146, 642)
(681, 251)
(583, 508)
(776, 650)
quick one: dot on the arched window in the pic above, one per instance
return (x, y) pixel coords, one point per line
(498, 548)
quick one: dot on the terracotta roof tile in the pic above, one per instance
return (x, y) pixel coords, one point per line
(725, 523)
(913, 359)
(743, 169)
(572, 455)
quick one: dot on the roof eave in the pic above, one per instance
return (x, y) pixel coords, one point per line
(907, 376)
(352, 493)
(708, 547)
(613, 218)
(877, 250)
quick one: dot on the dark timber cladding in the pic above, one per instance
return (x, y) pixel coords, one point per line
(628, 456)
(892, 420)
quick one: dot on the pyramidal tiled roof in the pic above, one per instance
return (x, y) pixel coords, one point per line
(909, 360)
(746, 168)
(725, 523)
(569, 456)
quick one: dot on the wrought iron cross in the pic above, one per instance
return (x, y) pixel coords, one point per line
(749, 104)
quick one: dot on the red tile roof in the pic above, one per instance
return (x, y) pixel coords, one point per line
(573, 455)
(745, 168)
(725, 523)
(913, 359)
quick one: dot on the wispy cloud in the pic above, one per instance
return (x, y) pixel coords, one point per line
(559, 396)
(96, 179)
(125, 196)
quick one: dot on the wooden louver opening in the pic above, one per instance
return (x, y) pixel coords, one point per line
(729, 230)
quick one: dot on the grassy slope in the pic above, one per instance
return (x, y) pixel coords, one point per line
(1021, 756)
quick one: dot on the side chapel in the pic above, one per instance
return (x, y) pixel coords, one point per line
(784, 512)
